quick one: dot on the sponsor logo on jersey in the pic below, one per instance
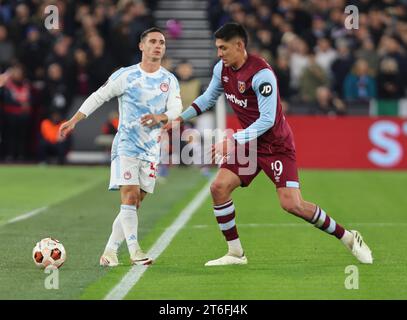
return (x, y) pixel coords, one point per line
(127, 175)
(164, 87)
(232, 98)
(265, 89)
(241, 86)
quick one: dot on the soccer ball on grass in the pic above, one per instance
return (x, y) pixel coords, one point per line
(49, 252)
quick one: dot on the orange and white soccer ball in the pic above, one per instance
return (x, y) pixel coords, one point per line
(49, 252)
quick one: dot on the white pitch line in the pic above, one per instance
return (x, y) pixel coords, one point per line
(39, 210)
(135, 273)
(27, 215)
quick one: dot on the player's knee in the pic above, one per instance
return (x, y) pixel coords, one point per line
(292, 206)
(219, 188)
(131, 198)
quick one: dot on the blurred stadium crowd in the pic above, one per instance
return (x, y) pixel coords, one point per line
(48, 68)
(318, 62)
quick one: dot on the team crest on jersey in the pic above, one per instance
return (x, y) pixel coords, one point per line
(241, 86)
(127, 175)
(164, 87)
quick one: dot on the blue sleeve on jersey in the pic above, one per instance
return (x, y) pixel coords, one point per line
(264, 84)
(208, 99)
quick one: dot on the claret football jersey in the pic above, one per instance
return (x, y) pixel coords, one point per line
(252, 93)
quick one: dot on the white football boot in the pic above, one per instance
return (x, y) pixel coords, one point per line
(109, 259)
(360, 249)
(140, 258)
(227, 260)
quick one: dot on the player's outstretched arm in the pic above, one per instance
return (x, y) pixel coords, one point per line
(113, 87)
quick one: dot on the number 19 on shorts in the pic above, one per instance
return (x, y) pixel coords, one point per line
(277, 167)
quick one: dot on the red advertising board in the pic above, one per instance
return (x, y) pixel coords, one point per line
(347, 142)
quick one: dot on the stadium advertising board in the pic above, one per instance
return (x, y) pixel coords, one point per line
(347, 142)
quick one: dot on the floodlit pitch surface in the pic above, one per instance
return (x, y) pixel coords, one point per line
(288, 258)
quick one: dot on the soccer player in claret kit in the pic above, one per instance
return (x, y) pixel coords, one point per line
(250, 87)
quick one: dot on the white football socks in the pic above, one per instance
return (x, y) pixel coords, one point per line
(235, 247)
(129, 221)
(116, 237)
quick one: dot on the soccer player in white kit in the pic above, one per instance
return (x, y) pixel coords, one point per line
(149, 96)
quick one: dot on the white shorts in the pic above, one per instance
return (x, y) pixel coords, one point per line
(125, 171)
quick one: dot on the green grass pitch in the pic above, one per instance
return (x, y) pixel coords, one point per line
(288, 258)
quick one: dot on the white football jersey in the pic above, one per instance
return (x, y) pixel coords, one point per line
(139, 93)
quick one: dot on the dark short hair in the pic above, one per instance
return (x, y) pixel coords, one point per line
(153, 29)
(230, 30)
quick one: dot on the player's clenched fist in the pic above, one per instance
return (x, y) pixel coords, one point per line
(65, 129)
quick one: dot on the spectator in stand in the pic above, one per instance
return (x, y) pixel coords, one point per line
(101, 20)
(219, 13)
(62, 55)
(140, 19)
(359, 84)
(32, 53)
(368, 53)
(282, 70)
(401, 32)
(17, 111)
(336, 24)
(20, 23)
(312, 78)
(390, 80)
(101, 63)
(267, 43)
(328, 104)
(299, 60)
(263, 13)
(237, 12)
(7, 49)
(325, 55)
(190, 86)
(298, 17)
(120, 43)
(50, 144)
(390, 47)
(82, 73)
(376, 24)
(341, 67)
(56, 96)
(318, 31)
